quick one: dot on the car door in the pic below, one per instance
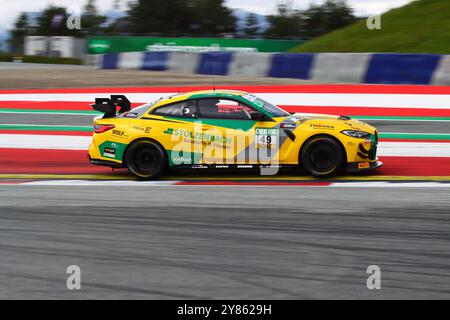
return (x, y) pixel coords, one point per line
(175, 131)
(232, 134)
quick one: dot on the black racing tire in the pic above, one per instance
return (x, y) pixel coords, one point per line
(322, 156)
(146, 159)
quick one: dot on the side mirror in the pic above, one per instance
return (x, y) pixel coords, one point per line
(258, 116)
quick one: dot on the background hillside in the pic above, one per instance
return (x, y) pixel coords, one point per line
(422, 26)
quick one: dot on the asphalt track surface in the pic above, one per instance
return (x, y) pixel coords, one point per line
(224, 242)
(37, 75)
(208, 242)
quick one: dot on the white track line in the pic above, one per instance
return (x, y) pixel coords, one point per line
(385, 184)
(66, 142)
(414, 149)
(57, 142)
(131, 183)
(426, 101)
(90, 113)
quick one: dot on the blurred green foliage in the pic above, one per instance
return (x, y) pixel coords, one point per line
(313, 22)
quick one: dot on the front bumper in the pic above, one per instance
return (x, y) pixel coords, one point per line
(363, 166)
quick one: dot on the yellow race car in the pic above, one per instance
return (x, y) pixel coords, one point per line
(225, 129)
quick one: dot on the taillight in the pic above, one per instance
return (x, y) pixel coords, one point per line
(100, 128)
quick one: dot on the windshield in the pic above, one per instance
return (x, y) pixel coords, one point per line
(275, 111)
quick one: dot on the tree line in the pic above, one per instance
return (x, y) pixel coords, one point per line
(189, 17)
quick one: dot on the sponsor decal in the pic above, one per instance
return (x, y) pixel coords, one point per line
(259, 103)
(119, 133)
(288, 125)
(197, 135)
(113, 150)
(222, 166)
(266, 138)
(363, 165)
(270, 166)
(212, 47)
(130, 115)
(180, 156)
(199, 166)
(250, 97)
(145, 129)
(109, 152)
(321, 126)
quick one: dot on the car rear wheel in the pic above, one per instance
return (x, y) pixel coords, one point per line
(322, 156)
(146, 159)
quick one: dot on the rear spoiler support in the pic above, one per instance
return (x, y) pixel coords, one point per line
(108, 106)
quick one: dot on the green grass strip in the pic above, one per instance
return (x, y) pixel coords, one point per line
(93, 113)
(32, 127)
(385, 135)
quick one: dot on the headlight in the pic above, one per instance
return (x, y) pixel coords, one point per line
(356, 134)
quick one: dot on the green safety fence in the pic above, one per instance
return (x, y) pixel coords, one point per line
(109, 44)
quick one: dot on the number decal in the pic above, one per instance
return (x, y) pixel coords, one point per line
(266, 138)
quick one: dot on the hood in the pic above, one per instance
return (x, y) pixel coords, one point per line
(339, 121)
(314, 116)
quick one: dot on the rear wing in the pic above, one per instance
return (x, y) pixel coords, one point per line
(108, 106)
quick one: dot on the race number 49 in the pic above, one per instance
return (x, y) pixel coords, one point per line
(266, 138)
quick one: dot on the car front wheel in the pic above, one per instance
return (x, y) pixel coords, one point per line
(322, 156)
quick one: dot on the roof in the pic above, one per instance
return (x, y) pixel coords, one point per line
(199, 94)
(218, 92)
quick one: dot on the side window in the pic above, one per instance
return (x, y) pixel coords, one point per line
(223, 109)
(179, 109)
